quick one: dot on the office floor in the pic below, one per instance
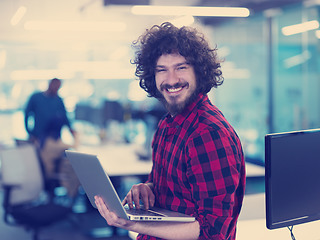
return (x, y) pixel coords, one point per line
(79, 226)
(89, 225)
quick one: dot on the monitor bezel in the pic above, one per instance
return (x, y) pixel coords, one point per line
(271, 224)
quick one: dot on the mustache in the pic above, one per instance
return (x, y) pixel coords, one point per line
(177, 85)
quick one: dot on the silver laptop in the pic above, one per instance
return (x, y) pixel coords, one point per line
(95, 181)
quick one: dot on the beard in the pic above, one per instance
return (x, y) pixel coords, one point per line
(177, 108)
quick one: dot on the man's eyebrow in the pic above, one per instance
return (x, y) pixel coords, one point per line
(183, 63)
(175, 65)
(160, 66)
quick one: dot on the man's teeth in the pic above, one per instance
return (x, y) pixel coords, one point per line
(174, 89)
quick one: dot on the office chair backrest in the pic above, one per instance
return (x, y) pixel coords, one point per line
(20, 167)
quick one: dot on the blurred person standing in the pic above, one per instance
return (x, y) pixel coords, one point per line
(49, 117)
(46, 108)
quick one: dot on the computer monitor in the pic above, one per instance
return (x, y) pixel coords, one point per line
(292, 178)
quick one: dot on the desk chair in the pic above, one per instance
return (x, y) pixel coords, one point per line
(61, 175)
(49, 183)
(22, 182)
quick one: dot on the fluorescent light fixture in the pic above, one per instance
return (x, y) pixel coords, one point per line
(76, 26)
(311, 3)
(318, 34)
(88, 70)
(236, 73)
(121, 73)
(99, 69)
(191, 11)
(43, 74)
(300, 28)
(297, 60)
(92, 66)
(68, 70)
(3, 58)
(16, 18)
(86, 65)
(229, 70)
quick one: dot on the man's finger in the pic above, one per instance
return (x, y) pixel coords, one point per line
(145, 198)
(151, 198)
(136, 197)
(128, 199)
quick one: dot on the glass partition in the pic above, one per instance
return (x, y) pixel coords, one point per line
(271, 77)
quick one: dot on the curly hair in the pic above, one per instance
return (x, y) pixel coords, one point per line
(189, 43)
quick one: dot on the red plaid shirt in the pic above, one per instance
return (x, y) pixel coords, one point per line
(199, 169)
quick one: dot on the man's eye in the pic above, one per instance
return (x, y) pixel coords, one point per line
(160, 70)
(182, 67)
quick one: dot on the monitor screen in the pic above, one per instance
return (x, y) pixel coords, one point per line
(292, 166)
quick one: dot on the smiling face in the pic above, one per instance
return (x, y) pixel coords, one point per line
(176, 81)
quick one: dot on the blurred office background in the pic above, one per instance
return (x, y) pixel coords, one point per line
(271, 66)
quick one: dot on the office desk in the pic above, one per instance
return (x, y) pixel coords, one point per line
(256, 229)
(252, 224)
(253, 170)
(119, 159)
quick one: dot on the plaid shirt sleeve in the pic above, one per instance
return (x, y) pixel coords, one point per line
(214, 173)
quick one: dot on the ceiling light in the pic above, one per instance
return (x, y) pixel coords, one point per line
(297, 59)
(193, 11)
(231, 71)
(98, 69)
(40, 74)
(16, 18)
(76, 26)
(110, 74)
(3, 58)
(300, 28)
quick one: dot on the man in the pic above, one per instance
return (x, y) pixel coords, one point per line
(49, 116)
(48, 112)
(198, 164)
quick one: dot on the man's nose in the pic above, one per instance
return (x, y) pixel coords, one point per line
(172, 77)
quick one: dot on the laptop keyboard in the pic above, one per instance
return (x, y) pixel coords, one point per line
(138, 212)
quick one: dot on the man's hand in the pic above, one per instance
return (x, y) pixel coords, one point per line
(141, 191)
(111, 218)
(163, 230)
